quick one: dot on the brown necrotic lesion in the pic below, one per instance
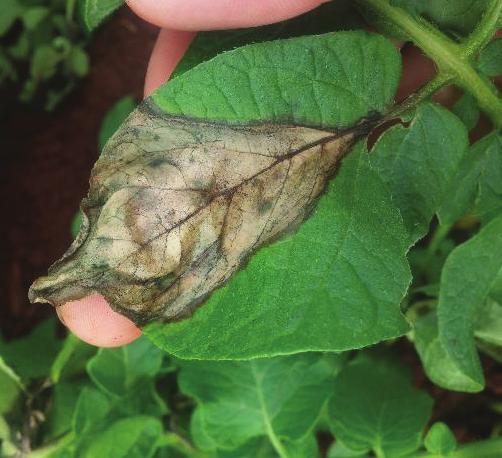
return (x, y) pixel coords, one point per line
(177, 205)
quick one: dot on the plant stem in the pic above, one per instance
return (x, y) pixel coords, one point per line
(484, 30)
(452, 59)
(489, 448)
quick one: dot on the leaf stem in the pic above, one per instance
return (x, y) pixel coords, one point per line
(489, 448)
(452, 59)
(484, 30)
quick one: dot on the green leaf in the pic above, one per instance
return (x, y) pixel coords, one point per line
(489, 325)
(419, 163)
(78, 61)
(490, 58)
(44, 62)
(468, 276)
(440, 439)
(346, 296)
(62, 407)
(338, 450)
(475, 187)
(325, 80)
(331, 16)
(134, 437)
(437, 364)
(94, 12)
(117, 370)
(71, 359)
(467, 109)
(114, 117)
(355, 244)
(91, 408)
(7, 447)
(11, 10)
(280, 398)
(31, 356)
(375, 407)
(10, 387)
(34, 15)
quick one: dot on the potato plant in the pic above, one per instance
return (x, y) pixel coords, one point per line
(277, 224)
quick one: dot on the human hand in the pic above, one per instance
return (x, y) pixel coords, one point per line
(91, 318)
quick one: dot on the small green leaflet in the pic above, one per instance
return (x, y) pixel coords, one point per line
(468, 277)
(490, 59)
(10, 387)
(440, 439)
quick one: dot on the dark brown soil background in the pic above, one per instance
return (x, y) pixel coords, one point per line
(46, 160)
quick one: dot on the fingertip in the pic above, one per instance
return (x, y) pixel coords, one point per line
(217, 14)
(93, 320)
(168, 50)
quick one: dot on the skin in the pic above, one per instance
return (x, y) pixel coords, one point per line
(91, 318)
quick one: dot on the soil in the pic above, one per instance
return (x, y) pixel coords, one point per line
(46, 160)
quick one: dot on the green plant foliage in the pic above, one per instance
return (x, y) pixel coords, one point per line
(476, 187)
(466, 108)
(420, 162)
(490, 59)
(456, 17)
(440, 439)
(282, 396)
(114, 117)
(375, 407)
(42, 51)
(27, 357)
(94, 12)
(467, 278)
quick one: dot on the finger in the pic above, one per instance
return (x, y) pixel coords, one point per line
(93, 320)
(168, 50)
(218, 14)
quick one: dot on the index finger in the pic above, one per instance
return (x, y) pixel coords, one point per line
(218, 14)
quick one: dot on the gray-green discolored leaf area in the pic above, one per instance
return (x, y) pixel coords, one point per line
(420, 162)
(468, 277)
(375, 407)
(221, 161)
(279, 398)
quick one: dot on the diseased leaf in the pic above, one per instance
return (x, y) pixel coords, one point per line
(279, 398)
(420, 162)
(220, 162)
(346, 296)
(468, 276)
(375, 407)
